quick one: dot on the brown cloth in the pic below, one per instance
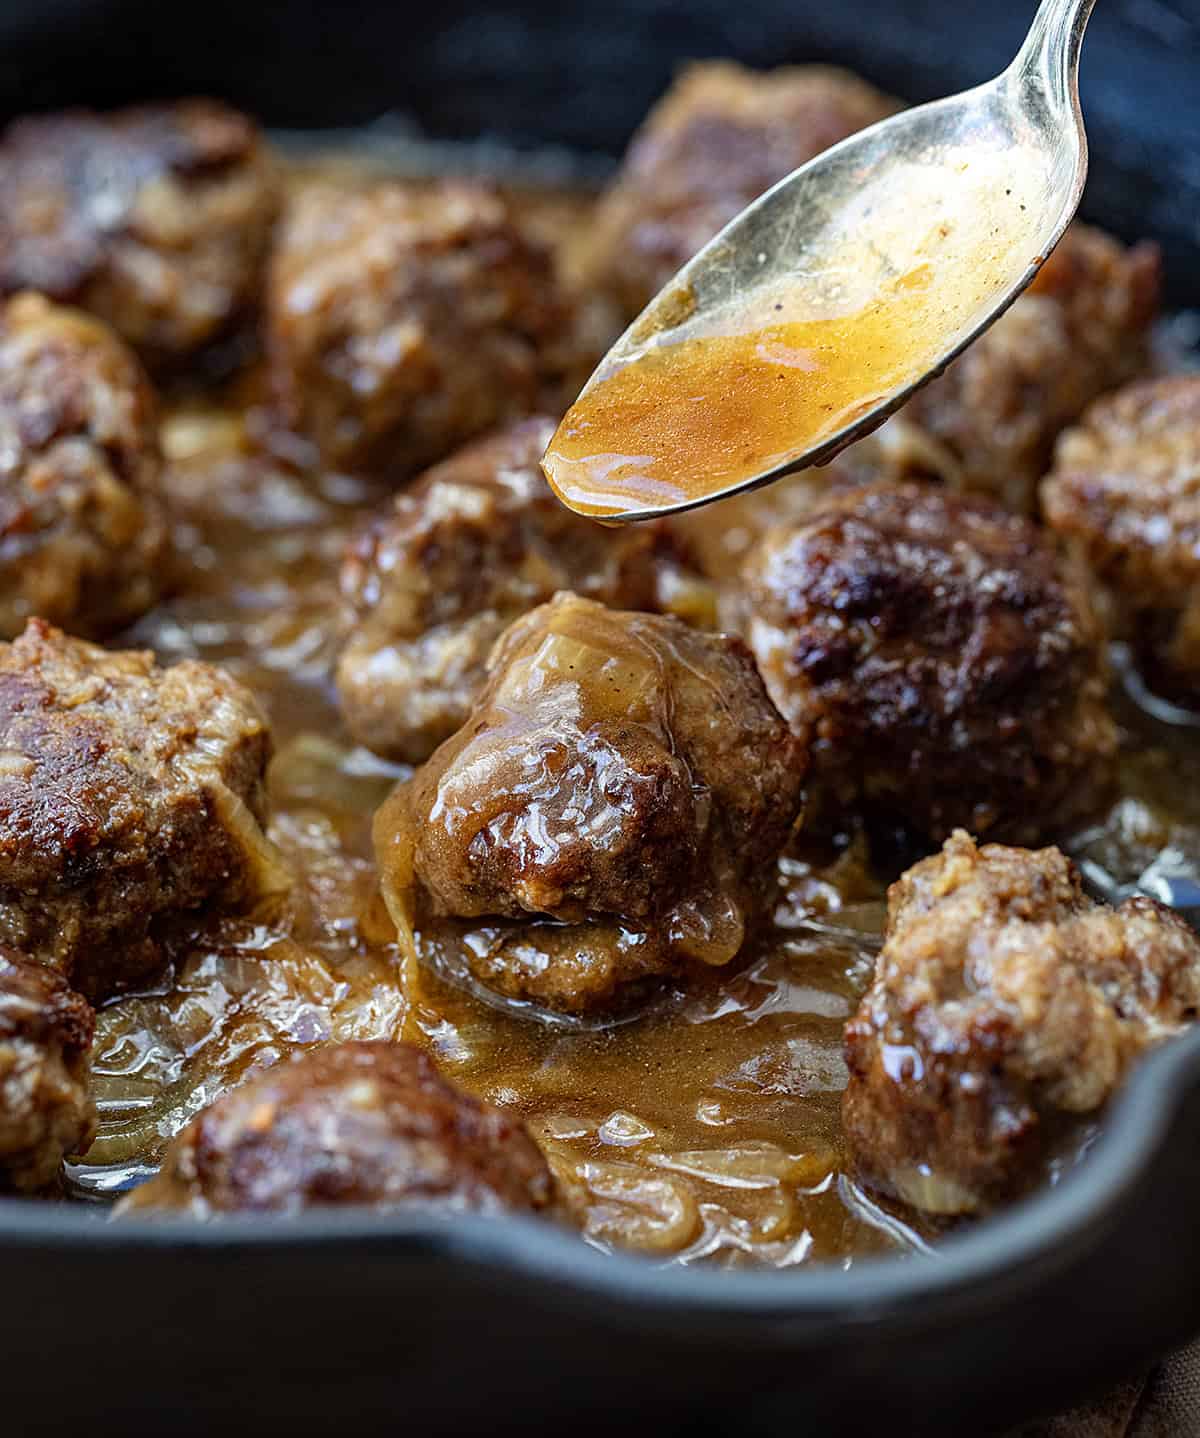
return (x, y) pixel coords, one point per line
(1164, 1404)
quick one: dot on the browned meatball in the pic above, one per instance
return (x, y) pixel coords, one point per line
(403, 321)
(718, 138)
(944, 660)
(1004, 1002)
(357, 1123)
(621, 774)
(83, 535)
(157, 219)
(1081, 328)
(723, 533)
(1125, 492)
(128, 793)
(46, 1108)
(450, 563)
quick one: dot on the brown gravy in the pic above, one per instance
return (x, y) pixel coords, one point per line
(705, 1128)
(693, 418)
(709, 396)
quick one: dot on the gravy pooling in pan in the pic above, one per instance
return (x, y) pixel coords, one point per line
(705, 1125)
(701, 1119)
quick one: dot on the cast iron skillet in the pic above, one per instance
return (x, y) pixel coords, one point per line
(346, 1323)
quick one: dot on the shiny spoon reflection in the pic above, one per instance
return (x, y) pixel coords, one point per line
(823, 305)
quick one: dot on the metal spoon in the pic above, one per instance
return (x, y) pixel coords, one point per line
(820, 308)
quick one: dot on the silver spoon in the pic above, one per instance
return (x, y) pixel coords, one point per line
(819, 309)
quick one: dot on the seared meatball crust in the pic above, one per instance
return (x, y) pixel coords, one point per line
(403, 321)
(1125, 493)
(475, 543)
(944, 660)
(720, 136)
(46, 1108)
(128, 794)
(1082, 328)
(1005, 1001)
(156, 219)
(366, 1124)
(621, 775)
(83, 534)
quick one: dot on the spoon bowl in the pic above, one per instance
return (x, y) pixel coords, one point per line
(818, 310)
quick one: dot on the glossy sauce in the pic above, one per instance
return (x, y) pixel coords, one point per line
(712, 389)
(704, 1128)
(692, 419)
(567, 680)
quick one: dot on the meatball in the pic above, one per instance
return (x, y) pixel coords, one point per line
(156, 219)
(945, 662)
(721, 534)
(1004, 1002)
(128, 793)
(622, 775)
(46, 1109)
(356, 1123)
(83, 534)
(404, 321)
(474, 544)
(1125, 492)
(719, 138)
(1081, 328)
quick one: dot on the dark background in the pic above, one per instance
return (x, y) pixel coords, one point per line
(583, 74)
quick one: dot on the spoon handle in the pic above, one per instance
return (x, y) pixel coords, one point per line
(1049, 58)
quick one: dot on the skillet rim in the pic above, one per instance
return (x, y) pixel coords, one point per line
(1041, 1234)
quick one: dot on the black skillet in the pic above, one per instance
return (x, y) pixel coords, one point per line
(348, 1324)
